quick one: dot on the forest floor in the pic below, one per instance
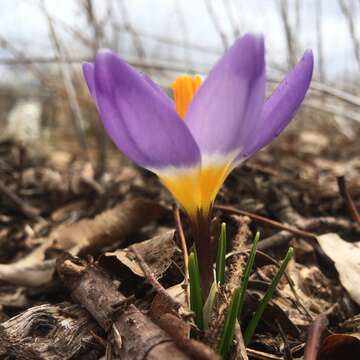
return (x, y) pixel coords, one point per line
(91, 265)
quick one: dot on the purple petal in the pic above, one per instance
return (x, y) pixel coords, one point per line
(89, 74)
(280, 108)
(140, 119)
(229, 102)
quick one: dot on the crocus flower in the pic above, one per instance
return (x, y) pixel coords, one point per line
(213, 126)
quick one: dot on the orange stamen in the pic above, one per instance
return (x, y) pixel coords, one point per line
(184, 88)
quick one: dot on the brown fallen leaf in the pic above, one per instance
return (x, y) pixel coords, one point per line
(340, 347)
(157, 252)
(178, 293)
(84, 236)
(14, 297)
(111, 225)
(346, 257)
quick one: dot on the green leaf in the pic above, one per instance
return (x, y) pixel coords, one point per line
(248, 268)
(227, 336)
(220, 257)
(249, 332)
(196, 301)
(209, 303)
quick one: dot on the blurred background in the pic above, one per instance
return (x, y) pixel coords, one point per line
(43, 99)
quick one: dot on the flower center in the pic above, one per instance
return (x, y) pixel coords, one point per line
(184, 88)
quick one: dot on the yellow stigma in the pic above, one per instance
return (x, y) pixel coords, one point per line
(184, 88)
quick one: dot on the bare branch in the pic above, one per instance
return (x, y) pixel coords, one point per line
(21, 59)
(211, 11)
(350, 17)
(185, 33)
(319, 40)
(69, 86)
(232, 19)
(88, 7)
(288, 30)
(129, 27)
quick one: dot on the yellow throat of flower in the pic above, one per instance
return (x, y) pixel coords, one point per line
(195, 189)
(184, 88)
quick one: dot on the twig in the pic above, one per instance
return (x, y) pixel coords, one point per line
(185, 34)
(283, 237)
(69, 86)
(319, 39)
(139, 48)
(98, 34)
(350, 17)
(232, 18)
(236, 265)
(139, 337)
(289, 33)
(216, 23)
(287, 350)
(183, 245)
(314, 337)
(152, 279)
(332, 109)
(171, 323)
(88, 7)
(342, 95)
(197, 350)
(351, 99)
(262, 355)
(240, 349)
(21, 59)
(347, 198)
(266, 221)
(303, 184)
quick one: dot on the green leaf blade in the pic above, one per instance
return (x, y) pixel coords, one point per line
(209, 304)
(196, 300)
(229, 325)
(249, 332)
(248, 268)
(220, 257)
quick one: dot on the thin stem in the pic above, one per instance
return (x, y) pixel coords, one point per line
(229, 325)
(184, 250)
(248, 268)
(205, 249)
(221, 253)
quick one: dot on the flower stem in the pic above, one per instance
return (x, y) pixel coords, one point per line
(205, 249)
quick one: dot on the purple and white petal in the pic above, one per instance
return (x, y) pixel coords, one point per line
(229, 102)
(139, 118)
(282, 105)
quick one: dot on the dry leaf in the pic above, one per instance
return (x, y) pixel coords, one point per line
(346, 256)
(32, 270)
(178, 293)
(340, 347)
(15, 297)
(109, 226)
(84, 236)
(156, 252)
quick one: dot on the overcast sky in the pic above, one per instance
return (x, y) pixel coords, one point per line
(22, 23)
